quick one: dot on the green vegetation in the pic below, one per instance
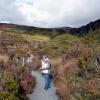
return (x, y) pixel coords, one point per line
(7, 96)
(59, 45)
(92, 36)
(12, 86)
(83, 79)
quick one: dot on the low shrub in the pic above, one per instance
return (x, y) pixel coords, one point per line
(7, 96)
(12, 86)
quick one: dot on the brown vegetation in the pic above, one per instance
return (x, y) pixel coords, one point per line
(4, 59)
(78, 61)
(13, 76)
(27, 82)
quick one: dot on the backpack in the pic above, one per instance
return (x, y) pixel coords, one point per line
(50, 65)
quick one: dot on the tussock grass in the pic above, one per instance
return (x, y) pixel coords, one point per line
(40, 38)
(30, 38)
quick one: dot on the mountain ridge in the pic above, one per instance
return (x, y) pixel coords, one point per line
(80, 30)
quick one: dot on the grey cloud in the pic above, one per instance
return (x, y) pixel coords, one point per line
(49, 13)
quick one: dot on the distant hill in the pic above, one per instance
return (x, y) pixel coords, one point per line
(6, 26)
(84, 29)
(81, 30)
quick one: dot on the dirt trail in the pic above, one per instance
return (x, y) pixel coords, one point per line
(39, 92)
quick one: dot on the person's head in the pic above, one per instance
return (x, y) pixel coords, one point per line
(45, 56)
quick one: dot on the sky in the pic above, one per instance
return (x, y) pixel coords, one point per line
(49, 13)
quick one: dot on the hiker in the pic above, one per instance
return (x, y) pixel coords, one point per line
(30, 58)
(18, 59)
(23, 61)
(46, 66)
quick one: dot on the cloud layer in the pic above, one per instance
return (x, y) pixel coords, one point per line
(49, 13)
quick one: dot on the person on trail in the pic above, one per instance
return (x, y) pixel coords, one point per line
(46, 66)
(30, 58)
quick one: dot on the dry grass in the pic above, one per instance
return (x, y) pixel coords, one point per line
(59, 70)
(30, 38)
(4, 59)
(40, 38)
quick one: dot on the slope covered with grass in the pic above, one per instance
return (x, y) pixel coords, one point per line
(75, 67)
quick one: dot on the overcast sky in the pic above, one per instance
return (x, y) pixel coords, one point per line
(49, 13)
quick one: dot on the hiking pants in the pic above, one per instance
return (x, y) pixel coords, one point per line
(47, 81)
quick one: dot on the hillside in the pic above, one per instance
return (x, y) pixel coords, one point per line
(74, 55)
(92, 26)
